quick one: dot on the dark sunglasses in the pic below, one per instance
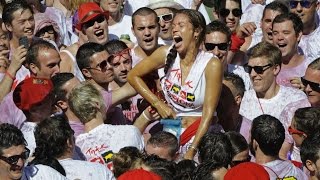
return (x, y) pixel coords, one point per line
(98, 19)
(166, 17)
(13, 160)
(234, 163)
(221, 46)
(257, 69)
(291, 131)
(314, 86)
(103, 64)
(225, 12)
(305, 4)
(48, 29)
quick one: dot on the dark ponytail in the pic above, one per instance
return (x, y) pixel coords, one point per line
(170, 59)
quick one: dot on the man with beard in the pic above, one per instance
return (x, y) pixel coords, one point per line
(267, 136)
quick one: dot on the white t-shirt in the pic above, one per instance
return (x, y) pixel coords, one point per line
(41, 172)
(28, 134)
(284, 169)
(251, 108)
(309, 44)
(76, 169)
(100, 143)
(123, 27)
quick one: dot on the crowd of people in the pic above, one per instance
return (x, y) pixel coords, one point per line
(159, 89)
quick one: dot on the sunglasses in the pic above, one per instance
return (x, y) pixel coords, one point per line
(291, 131)
(305, 4)
(98, 19)
(234, 163)
(48, 29)
(314, 86)
(225, 12)
(166, 17)
(102, 65)
(13, 160)
(257, 69)
(212, 46)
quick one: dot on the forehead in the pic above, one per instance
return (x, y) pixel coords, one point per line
(161, 11)
(180, 18)
(287, 24)
(141, 21)
(22, 14)
(270, 14)
(312, 75)
(13, 150)
(48, 55)
(258, 61)
(99, 56)
(232, 4)
(123, 56)
(216, 37)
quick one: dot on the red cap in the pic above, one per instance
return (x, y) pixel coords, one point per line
(139, 174)
(30, 92)
(247, 171)
(88, 11)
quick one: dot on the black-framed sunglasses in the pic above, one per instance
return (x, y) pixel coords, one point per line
(234, 163)
(166, 17)
(98, 19)
(257, 69)
(221, 46)
(13, 160)
(304, 3)
(225, 12)
(314, 86)
(48, 29)
(102, 65)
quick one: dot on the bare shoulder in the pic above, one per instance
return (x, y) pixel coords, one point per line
(214, 63)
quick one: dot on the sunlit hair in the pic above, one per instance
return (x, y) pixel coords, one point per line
(85, 102)
(266, 50)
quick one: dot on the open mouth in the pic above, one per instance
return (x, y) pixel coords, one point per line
(282, 45)
(148, 40)
(99, 33)
(164, 30)
(178, 41)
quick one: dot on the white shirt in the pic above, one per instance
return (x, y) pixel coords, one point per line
(100, 143)
(76, 169)
(28, 134)
(122, 27)
(41, 172)
(284, 169)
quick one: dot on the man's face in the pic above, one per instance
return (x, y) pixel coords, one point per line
(49, 60)
(4, 43)
(22, 24)
(266, 24)
(100, 68)
(285, 38)
(121, 64)
(111, 5)
(313, 75)
(96, 29)
(216, 38)
(162, 152)
(232, 20)
(298, 138)
(146, 30)
(15, 171)
(307, 14)
(165, 20)
(261, 82)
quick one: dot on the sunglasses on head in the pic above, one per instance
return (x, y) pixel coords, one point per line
(212, 46)
(292, 130)
(257, 69)
(305, 4)
(314, 86)
(98, 19)
(13, 160)
(236, 162)
(166, 17)
(225, 12)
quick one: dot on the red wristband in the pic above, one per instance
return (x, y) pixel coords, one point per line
(236, 42)
(8, 74)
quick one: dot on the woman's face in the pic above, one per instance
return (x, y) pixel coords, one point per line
(230, 14)
(183, 33)
(47, 33)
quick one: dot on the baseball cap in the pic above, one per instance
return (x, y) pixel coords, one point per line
(139, 174)
(155, 4)
(248, 171)
(31, 91)
(88, 11)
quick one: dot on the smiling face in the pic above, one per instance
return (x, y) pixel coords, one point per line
(285, 38)
(6, 171)
(96, 30)
(266, 24)
(146, 30)
(231, 20)
(313, 75)
(307, 15)
(218, 38)
(111, 5)
(165, 25)
(22, 24)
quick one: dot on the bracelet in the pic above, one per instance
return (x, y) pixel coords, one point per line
(145, 116)
(8, 74)
(194, 148)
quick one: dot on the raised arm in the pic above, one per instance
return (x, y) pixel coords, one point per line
(213, 74)
(151, 63)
